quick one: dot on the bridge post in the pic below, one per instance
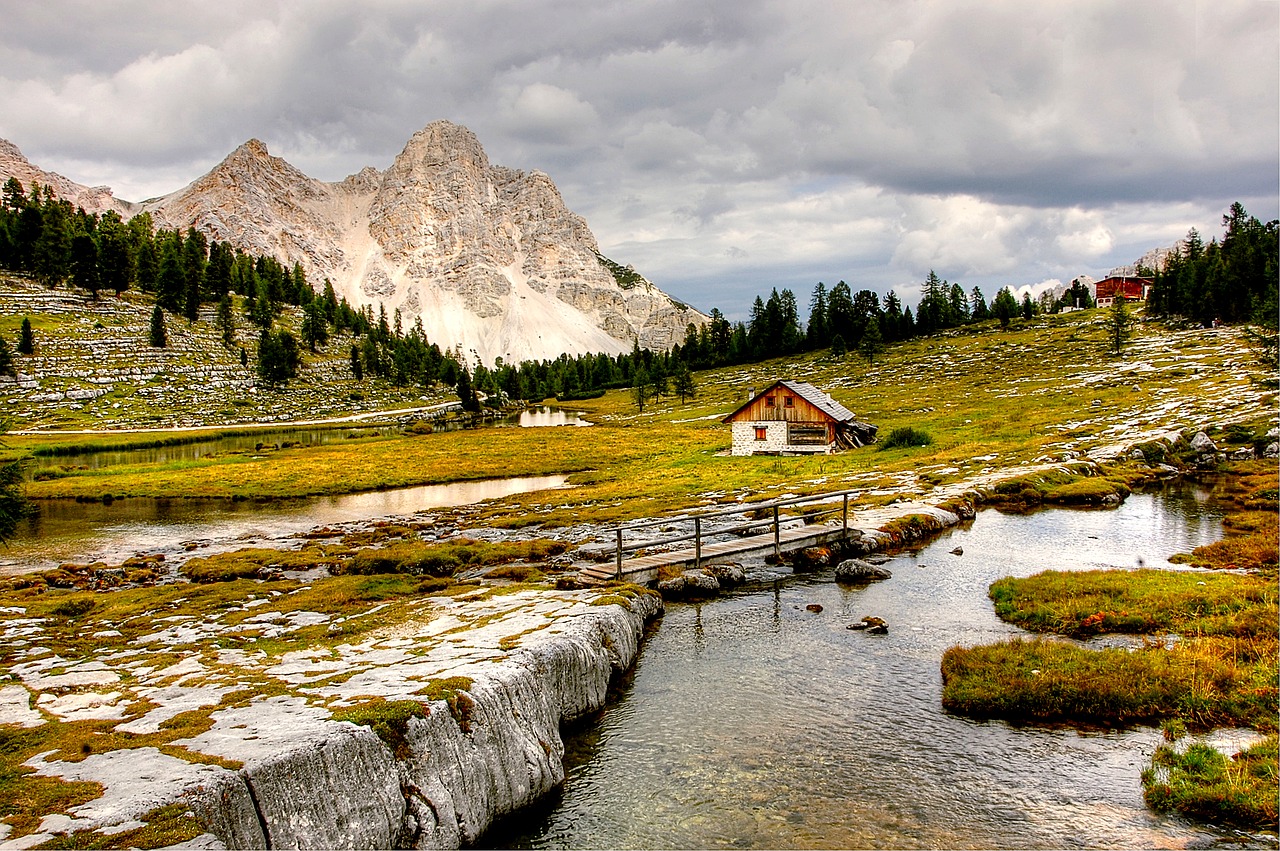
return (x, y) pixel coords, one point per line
(697, 542)
(777, 535)
(846, 514)
(619, 553)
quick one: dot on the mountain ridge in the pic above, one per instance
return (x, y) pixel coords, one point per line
(489, 258)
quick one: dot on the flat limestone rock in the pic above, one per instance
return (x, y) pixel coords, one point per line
(15, 707)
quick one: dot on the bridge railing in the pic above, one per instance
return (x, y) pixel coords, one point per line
(775, 517)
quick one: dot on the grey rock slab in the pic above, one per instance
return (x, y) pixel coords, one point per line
(15, 707)
(135, 781)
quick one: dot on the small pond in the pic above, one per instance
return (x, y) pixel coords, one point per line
(69, 531)
(750, 722)
(544, 416)
(196, 446)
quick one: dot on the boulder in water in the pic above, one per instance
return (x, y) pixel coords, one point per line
(856, 571)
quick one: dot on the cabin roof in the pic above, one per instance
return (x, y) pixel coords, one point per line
(809, 393)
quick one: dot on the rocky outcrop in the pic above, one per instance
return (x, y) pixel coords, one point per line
(528, 663)
(489, 258)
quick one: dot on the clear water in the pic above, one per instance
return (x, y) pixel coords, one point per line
(69, 531)
(751, 722)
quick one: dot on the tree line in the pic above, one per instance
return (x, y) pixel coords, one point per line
(1230, 281)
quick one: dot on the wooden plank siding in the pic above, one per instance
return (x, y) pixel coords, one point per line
(780, 405)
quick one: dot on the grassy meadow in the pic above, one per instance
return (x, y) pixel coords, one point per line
(991, 401)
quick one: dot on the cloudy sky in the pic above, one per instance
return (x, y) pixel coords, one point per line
(723, 147)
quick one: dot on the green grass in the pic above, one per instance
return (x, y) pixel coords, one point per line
(1201, 782)
(1207, 682)
(1223, 671)
(1085, 603)
(1017, 395)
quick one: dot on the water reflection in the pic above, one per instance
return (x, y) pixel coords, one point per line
(544, 417)
(65, 530)
(750, 722)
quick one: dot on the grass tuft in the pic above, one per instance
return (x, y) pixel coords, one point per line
(1203, 783)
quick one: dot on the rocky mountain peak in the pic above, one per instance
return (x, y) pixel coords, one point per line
(489, 258)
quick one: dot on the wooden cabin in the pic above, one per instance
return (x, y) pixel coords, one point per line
(793, 418)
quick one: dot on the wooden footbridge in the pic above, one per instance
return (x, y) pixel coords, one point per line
(826, 519)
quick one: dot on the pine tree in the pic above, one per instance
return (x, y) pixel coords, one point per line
(357, 368)
(683, 382)
(978, 311)
(26, 338)
(84, 263)
(1005, 307)
(158, 338)
(1119, 324)
(872, 343)
(466, 393)
(226, 321)
(816, 335)
(640, 387)
(6, 358)
(315, 330)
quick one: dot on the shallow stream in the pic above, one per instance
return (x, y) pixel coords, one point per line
(751, 722)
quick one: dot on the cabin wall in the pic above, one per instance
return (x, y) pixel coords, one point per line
(800, 411)
(775, 440)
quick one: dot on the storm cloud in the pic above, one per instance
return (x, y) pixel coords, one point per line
(723, 148)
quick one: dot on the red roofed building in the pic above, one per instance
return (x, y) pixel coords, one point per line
(1130, 289)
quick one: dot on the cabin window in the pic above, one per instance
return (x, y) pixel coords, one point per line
(788, 402)
(761, 433)
(768, 401)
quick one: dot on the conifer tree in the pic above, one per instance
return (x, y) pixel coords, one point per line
(872, 343)
(1119, 324)
(226, 321)
(157, 338)
(6, 358)
(26, 338)
(640, 387)
(683, 382)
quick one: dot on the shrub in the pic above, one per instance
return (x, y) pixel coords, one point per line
(904, 436)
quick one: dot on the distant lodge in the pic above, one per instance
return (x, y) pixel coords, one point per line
(1128, 288)
(795, 418)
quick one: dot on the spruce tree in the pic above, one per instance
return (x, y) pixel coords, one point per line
(6, 358)
(683, 382)
(157, 338)
(26, 341)
(872, 342)
(1119, 324)
(640, 387)
(226, 321)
